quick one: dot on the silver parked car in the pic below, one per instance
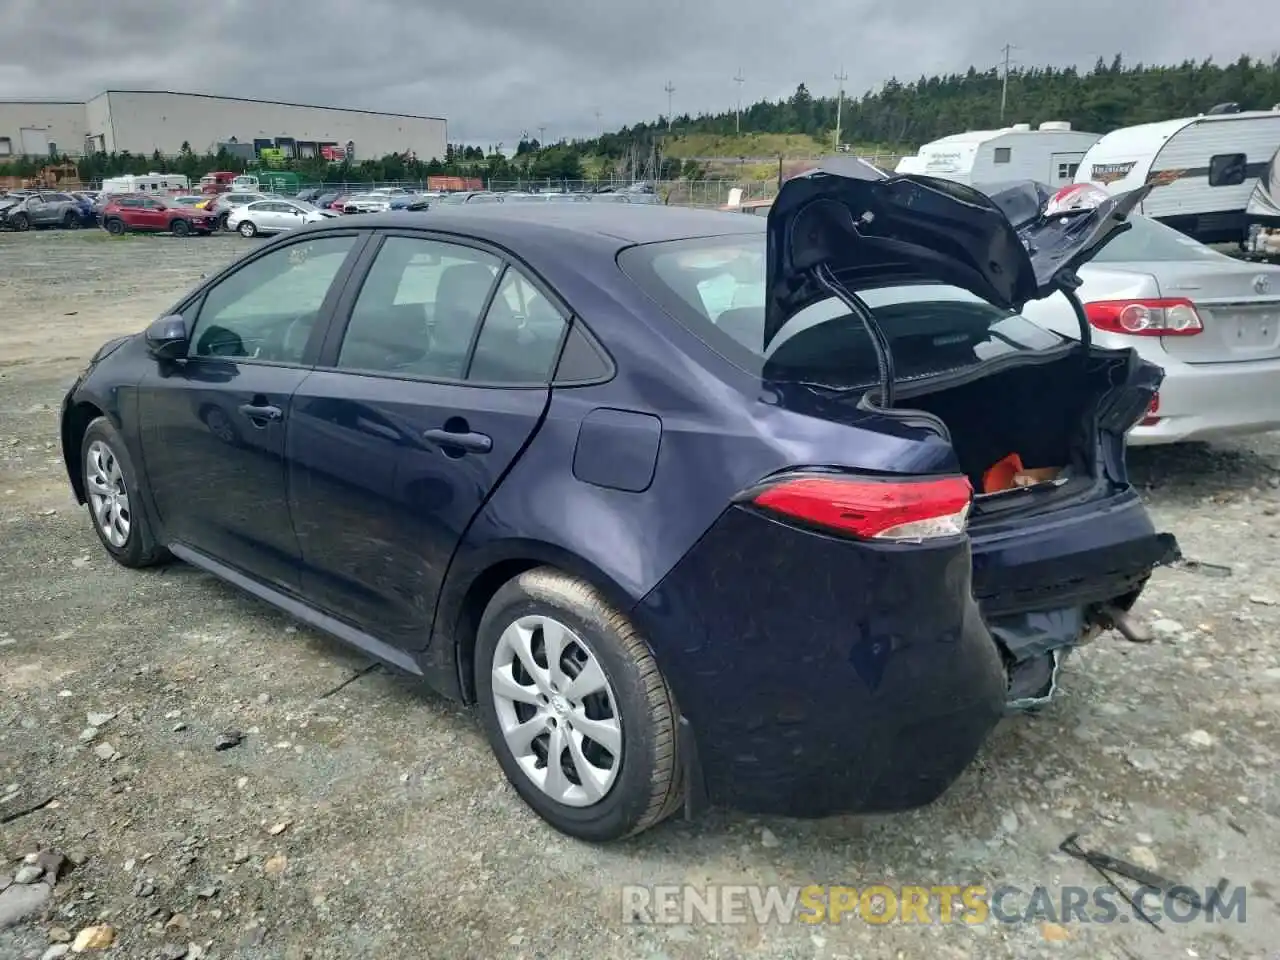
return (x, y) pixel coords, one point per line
(42, 208)
(274, 216)
(1211, 321)
(226, 202)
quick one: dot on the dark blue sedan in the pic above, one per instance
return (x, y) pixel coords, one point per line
(696, 507)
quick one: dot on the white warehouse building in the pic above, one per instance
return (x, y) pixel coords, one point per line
(144, 121)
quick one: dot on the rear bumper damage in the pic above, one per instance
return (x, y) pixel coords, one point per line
(870, 685)
(1041, 598)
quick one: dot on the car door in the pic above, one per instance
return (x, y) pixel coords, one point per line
(393, 446)
(286, 215)
(38, 210)
(149, 215)
(214, 425)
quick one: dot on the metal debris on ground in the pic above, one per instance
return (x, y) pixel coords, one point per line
(363, 671)
(1201, 567)
(1106, 865)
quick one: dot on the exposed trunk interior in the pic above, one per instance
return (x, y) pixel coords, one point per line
(1046, 413)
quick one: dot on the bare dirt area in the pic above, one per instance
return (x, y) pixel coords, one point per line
(369, 819)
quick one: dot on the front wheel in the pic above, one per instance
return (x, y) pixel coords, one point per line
(180, 228)
(575, 708)
(111, 489)
(247, 229)
(20, 222)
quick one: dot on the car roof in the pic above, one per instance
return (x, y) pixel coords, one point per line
(610, 225)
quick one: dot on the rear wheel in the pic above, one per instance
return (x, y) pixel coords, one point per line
(20, 222)
(180, 227)
(575, 708)
(111, 488)
(71, 221)
(115, 227)
(247, 229)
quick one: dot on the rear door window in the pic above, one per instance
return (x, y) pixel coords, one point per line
(520, 337)
(418, 309)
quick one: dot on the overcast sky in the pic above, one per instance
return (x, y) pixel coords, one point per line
(495, 67)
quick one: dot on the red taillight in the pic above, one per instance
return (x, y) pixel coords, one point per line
(1150, 419)
(1170, 317)
(873, 509)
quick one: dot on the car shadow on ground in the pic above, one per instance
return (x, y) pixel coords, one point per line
(1195, 471)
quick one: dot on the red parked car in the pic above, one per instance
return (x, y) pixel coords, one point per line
(130, 211)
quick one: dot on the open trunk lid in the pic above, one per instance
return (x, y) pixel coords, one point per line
(870, 229)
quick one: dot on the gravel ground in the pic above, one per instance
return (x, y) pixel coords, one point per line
(372, 822)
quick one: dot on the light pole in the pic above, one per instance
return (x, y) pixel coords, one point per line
(1004, 87)
(840, 77)
(671, 89)
(737, 114)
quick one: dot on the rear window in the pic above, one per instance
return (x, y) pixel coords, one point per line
(715, 287)
(1149, 240)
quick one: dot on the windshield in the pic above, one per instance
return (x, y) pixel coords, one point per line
(715, 286)
(1149, 240)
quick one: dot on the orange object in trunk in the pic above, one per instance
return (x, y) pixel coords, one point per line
(1000, 475)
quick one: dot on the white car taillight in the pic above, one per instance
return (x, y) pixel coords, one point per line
(1173, 316)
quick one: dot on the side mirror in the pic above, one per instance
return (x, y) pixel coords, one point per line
(167, 338)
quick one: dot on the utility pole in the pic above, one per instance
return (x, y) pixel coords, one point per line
(542, 137)
(599, 129)
(840, 78)
(671, 89)
(1004, 87)
(737, 115)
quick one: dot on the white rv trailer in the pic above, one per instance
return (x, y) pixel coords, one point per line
(1204, 168)
(157, 183)
(1049, 154)
(1262, 215)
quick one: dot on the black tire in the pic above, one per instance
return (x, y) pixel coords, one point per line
(180, 227)
(247, 229)
(648, 786)
(115, 227)
(139, 548)
(20, 222)
(222, 219)
(70, 221)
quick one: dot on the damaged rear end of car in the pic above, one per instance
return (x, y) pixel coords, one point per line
(1061, 543)
(937, 508)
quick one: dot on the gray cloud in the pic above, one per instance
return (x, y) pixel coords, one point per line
(495, 67)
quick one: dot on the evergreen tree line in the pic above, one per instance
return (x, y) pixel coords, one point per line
(554, 162)
(905, 115)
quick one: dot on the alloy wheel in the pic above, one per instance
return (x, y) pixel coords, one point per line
(108, 496)
(557, 711)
